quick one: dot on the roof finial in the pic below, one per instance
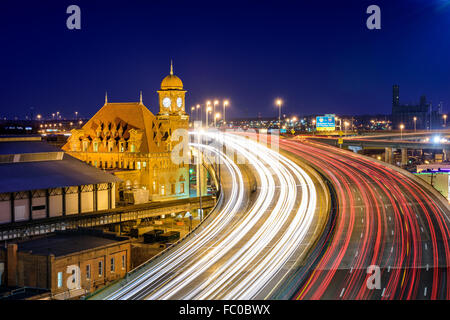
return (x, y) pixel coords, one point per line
(140, 97)
(171, 67)
(106, 97)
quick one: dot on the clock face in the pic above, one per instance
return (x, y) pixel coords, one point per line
(179, 102)
(166, 102)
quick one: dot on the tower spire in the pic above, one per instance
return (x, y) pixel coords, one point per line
(171, 67)
(106, 97)
(140, 97)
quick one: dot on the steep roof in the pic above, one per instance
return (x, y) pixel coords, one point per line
(134, 114)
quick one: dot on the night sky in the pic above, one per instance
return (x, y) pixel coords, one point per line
(316, 55)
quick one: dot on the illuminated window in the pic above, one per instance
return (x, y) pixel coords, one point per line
(85, 145)
(100, 268)
(139, 165)
(60, 279)
(154, 186)
(95, 146)
(113, 264)
(133, 148)
(144, 164)
(162, 190)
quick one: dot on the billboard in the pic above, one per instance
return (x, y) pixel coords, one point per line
(325, 123)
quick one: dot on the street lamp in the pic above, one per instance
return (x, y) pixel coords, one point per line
(208, 106)
(401, 131)
(345, 126)
(216, 102)
(279, 102)
(192, 112)
(208, 109)
(445, 120)
(216, 116)
(415, 120)
(314, 126)
(196, 116)
(225, 104)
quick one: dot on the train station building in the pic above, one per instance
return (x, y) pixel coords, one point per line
(128, 140)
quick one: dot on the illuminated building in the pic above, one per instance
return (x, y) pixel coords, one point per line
(135, 145)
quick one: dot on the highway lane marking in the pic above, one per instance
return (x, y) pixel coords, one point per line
(361, 234)
(382, 293)
(421, 228)
(362, 220)
(389, 218)
(342, 292)
(427, 266)
(425, 292)
(356, 253)
(389, 269)
(426, 246)
(392, 232)
(351, 269)
(392, 249)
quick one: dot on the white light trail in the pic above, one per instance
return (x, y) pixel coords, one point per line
(236, 254)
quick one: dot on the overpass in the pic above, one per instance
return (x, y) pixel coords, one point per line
(98, 218)
(389, 143)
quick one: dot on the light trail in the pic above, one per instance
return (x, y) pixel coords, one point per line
(384, 217)
(238, 252)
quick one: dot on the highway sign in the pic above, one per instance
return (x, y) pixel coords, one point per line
(326, 123)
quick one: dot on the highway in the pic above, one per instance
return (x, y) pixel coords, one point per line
(383, 216)
(252, 242)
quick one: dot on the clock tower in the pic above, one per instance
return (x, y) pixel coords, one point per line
(172, 114)
(171, 95)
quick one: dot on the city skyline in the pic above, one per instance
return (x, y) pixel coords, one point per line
(294, 51)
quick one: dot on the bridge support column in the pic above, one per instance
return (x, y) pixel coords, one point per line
(388, 155)
(404, 156)
(446, 155)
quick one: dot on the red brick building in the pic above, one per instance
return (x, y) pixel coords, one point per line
(68, 264)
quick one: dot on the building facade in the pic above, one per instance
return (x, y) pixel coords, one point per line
(40, 181)
(68, 264)
(420, 117)
(131, 142)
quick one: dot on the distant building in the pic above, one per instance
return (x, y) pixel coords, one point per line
(68, 264)
(135, 145)
(422, 116)
(39, 181)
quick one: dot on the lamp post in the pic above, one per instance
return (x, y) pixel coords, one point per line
(415, 120)
(401, 131)
(196, 116)
(345, 126)
(225, 104)
(279, 103)
(76, 115)
(314, 126)
(445, 120)
(216, 116)
(192, 112)
(216, 102)
(208, 109)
